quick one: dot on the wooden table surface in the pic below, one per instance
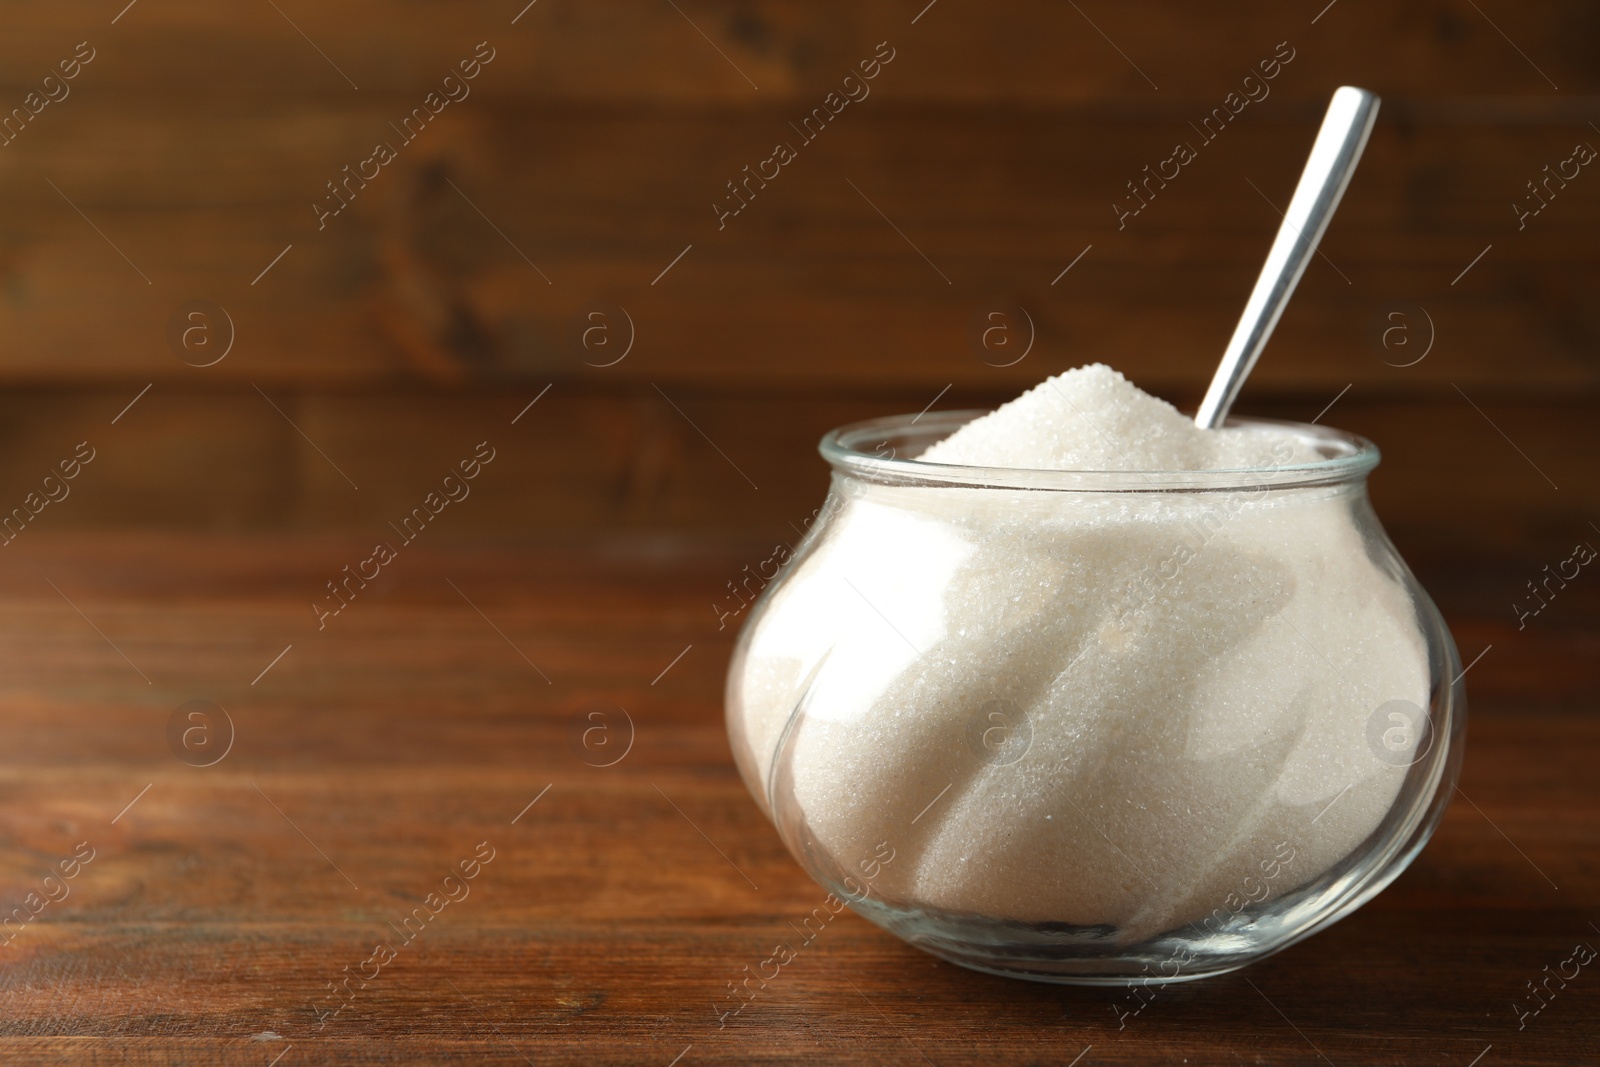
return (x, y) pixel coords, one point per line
(221, 902)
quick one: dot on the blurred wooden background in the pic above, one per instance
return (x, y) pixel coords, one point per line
(181, 165)
(187, 156)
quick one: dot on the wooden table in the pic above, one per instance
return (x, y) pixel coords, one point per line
(439, 715)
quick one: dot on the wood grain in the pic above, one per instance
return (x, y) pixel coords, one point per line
(1479, 472)
(381, 751)
(369, 356)
(579, 177)
(809, 284)
(595, 144)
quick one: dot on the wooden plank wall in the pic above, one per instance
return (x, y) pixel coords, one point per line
(576, 176)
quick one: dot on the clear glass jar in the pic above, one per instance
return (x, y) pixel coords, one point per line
(1088, 727)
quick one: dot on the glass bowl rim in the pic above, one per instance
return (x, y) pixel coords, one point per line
(855, 449)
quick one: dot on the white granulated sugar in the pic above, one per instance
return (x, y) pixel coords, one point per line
(1184, 680)
(1093, 418)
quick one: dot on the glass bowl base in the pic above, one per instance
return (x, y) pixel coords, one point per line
(1068, 954)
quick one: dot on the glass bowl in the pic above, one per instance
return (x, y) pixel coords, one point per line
(1091, 726)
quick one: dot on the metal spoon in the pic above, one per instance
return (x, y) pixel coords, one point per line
(1333, 159)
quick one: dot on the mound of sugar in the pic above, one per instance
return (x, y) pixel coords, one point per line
(1093, 418)
(1131, 713)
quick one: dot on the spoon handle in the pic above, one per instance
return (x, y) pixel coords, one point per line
(1333, 159)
